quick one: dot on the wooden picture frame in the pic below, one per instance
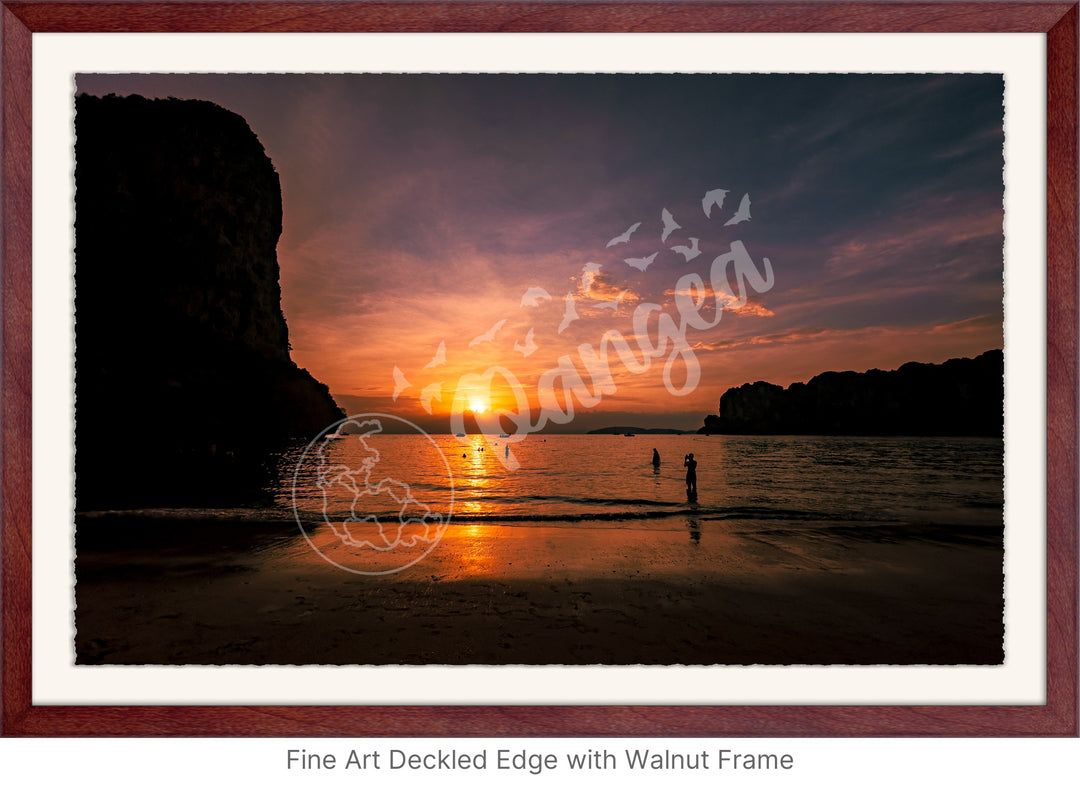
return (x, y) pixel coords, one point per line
(1058, 717)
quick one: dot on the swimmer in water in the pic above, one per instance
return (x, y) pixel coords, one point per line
(691, 475)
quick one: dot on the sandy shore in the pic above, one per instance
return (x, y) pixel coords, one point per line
(160, 591)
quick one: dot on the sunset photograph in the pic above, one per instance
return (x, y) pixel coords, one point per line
(539, 369)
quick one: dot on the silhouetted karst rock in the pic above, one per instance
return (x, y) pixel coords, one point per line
(962, 397)
(184, 384)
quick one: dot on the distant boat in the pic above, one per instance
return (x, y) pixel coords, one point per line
(460, 434)
(504, 435)
(629, 434)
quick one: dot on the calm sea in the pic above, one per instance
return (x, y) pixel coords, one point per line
(566, 480)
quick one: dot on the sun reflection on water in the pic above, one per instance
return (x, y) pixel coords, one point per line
(474, 475)
(471, 550)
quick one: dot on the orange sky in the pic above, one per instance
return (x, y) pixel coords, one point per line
(419, 210)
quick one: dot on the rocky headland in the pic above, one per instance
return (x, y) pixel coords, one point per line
(184, 383)
(962, 397)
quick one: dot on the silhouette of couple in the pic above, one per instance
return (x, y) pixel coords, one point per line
(691, 472)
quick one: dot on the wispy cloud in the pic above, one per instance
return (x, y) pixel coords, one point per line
(419, 208)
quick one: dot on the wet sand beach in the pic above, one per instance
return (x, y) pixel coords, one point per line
(161, 590)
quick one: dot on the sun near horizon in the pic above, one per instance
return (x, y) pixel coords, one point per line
(436, 227)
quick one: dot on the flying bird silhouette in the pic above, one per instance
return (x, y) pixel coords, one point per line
(612, 304)
(570, 314)
(742, 214)
(432, 392)
(688, 253)
(533, 297)
(624, 237)
(669, 225)
(641, 263)
(440, 356)
(713, 198)
(489, 335)
(528, 347)
(400, 383)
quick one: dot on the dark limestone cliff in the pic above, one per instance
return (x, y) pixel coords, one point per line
(184, 384)
(962, 397)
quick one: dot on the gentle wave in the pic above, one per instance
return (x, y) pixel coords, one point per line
(705, 513)
(569, 499)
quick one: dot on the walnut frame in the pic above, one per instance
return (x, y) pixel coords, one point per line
(1058, 717)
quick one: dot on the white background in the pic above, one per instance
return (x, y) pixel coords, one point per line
(57, 57)
(882, 764)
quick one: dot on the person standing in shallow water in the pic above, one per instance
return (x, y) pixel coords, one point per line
(655, 458)
(691, 474)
